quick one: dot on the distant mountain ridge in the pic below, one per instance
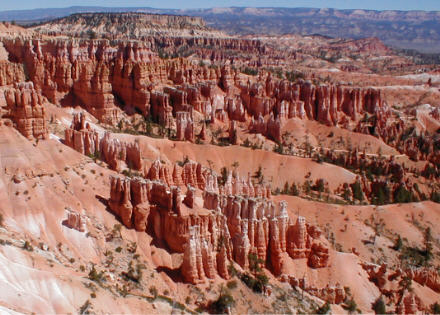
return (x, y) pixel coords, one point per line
(403, 29)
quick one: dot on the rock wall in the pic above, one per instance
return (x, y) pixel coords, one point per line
(185, 126)
(24, 106)
(237, 219)
(117, 154)
(392, 284)
(104, 76)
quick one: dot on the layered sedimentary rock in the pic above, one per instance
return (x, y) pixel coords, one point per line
(236, 220)
(409, 304)
(129, 200)
(11, 73)
(88, 72)
(333, 294)
(115, 151)
(393, 284)
(24, 106)
(75, 221)
(302, 244)
(199, 260)
(103, 75)
(185, 127)
(324, 103)
(81, 137)
(425, 276)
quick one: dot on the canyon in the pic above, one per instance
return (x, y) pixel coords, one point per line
(170, 166)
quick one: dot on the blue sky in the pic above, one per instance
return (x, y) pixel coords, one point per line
(340, 4)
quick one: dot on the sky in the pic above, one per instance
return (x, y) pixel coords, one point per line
(430, 5)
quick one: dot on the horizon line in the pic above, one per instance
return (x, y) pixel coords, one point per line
(216, 7)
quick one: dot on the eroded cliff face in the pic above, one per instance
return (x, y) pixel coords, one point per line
(127, 26)
(23, 106)
(102, 77)
(389, 282)
(117, 154)
(235, 221)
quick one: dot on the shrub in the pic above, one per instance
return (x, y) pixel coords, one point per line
(222, 304)
(27, 246)
(133, 274)
(379, 306)
(83, 309)
(254, 263)
(414, 256)
(153, 291)
(95, 275)
(435, 196)
(292, 76)
(250, 71)
(232, 284)
(357, 191)
(435, 308)
(398, 245)
(278, 148)
(319, 186)
(256, 284)
(350, 306)
(402, 195)
(294, 190)
(232, 270)
(324, 309)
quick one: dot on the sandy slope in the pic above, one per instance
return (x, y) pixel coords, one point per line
(38, 181)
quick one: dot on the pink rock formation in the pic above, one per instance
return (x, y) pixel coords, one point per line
(185, 126)
(25, 107)
(189, 198)
(75, 221)
(81, 137)
(238, 220)
(332, 294)
(409, 304)
(120, 199)
(303, 243)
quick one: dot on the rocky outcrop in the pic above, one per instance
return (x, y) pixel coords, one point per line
(81, 137)
(199, 261)
(236, 220)
(114, 152)
(303, 243)
(103, 75)
(394, 285)
(409, 304)
(425, 276)
(11, 73)
(117, 154)
(75, 221)
(333, 294)
(325, 103)
(185, 127)
(161, 172)
(24, 106)
(189, 198)
(129, 201)
(87, 72)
